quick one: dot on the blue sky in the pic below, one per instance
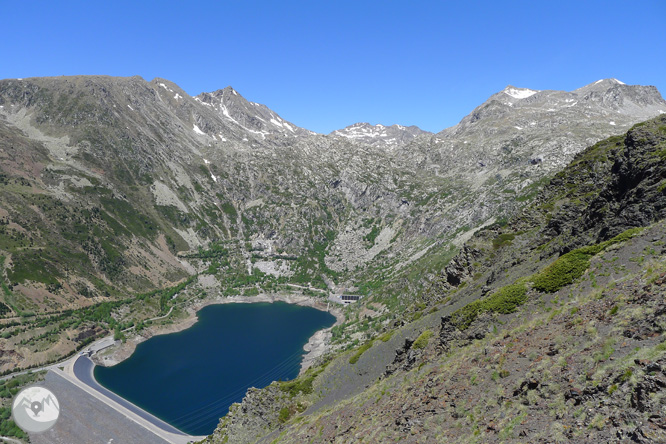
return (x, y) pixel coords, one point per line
(324, 65)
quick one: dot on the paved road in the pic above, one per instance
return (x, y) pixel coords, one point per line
(83, 370)
(95, 346)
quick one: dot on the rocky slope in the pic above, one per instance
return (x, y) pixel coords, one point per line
(519, 125)
(117, 186)
(547, 329)
(379, 135)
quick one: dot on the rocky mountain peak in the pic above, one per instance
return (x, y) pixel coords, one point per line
(537, 132)
(518, 93)
(380, 135)
(163, 85)
(601, 84)
(254, 118)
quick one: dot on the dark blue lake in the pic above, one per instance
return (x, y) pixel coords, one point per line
(189, 379)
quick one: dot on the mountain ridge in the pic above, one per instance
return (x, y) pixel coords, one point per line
(553, 328)
(114, 186)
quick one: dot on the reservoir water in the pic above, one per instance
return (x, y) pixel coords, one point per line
(190, 378)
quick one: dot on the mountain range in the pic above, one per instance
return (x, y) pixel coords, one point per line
(216, 167)
(550, 328)
(122, 199)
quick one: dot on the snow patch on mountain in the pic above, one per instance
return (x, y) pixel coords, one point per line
(379, 135)
(519, 93)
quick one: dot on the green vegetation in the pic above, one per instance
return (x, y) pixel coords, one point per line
(565, 270)
(8, 389)
(662, 186)
(387, 336)
(174, 215)
(372, 235)
(626, 376)
(33, 265)
(423, 339)
(118, 334)
(362, 349)
(503, 239)
(7, 426)
(6, 292)
(531, 191)
(230, 210)
(562, 272)
(167, 294)
(310, 266)
(570, 266)
(214, 251)
(606, 351)
(304, 383)
(505, 300)
(136, 222)
(284, 415)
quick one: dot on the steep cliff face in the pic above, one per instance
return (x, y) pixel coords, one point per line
(550, 327)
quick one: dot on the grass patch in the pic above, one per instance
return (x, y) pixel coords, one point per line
(662, 186)
(372, 235)
(362, 349)
(387, 336)
(562, 272)
(8, 389)
(230, 210)
(606, 351)
(422, 341)
(136, 222)
(284, 415)
(503, 239)
(570, 266)
(33, 265)
(505, 300)
(302, 384)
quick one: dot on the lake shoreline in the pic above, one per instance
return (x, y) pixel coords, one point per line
(317, 345)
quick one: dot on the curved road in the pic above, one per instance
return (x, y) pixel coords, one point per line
(83, 370)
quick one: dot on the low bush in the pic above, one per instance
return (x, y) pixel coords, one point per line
(387, 336)
(284, 415)
(562, 272)
(503, 239)
(422, 341)
(362, 349)
(569, 267)
(505, 300)
(304, 383)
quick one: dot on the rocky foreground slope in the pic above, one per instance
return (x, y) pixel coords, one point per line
(547, 329)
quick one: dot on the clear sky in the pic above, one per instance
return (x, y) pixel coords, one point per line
(324, 65)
